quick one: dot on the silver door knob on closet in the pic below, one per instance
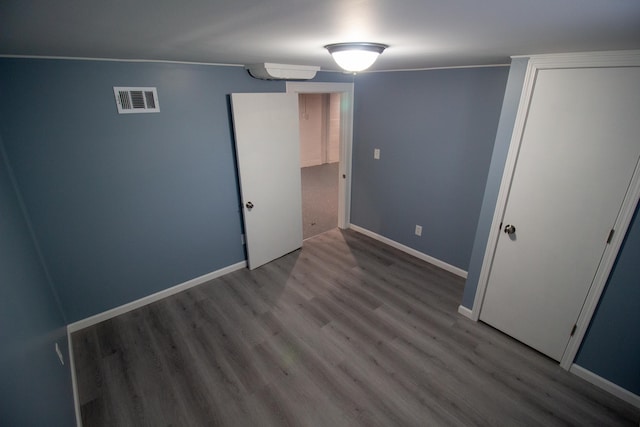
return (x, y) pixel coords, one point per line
(509, 229)
(249, 205)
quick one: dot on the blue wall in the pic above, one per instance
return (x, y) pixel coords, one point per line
(498, 159)
(124, 205)
(611, 347)
(436, 131)
(35, 389)
(116, 207)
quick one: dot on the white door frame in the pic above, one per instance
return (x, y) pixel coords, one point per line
(346, 139)
(558, 61)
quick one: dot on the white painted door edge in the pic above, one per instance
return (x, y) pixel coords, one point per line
(578, 60)
(346, 138)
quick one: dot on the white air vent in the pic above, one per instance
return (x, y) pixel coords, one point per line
(136, 100)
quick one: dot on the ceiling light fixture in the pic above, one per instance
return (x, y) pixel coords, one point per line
(355, 57)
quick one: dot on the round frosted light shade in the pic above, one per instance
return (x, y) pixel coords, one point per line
(355, 57)
(355, 60)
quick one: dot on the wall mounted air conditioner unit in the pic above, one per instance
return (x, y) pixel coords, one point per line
(271, 71)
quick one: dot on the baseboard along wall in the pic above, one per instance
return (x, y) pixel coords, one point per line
(100, 317)
(606, 385)
(420, 255)
(465, 312)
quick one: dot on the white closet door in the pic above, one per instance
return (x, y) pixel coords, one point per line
(579, 149)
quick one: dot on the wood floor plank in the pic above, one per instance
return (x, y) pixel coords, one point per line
(345, 332)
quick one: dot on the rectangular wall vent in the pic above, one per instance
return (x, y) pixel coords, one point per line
(136, 99)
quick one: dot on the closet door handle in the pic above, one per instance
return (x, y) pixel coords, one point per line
(509, 229)
(249, 205)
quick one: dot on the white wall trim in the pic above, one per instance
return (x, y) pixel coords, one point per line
(310, 163)
(82, 58)
(618, 58)
(100, 317)
(452, 67)
(606, 385)
(74, 381)
(575, 60)
(346, 138)
(220, 64)
(465, 312)
(420, 255)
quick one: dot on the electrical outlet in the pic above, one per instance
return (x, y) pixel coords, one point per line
(418, 230)
(59, 353)
(376, 153)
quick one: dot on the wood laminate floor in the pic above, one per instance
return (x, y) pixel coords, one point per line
(345, 332)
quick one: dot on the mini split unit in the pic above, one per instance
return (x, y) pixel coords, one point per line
(271, 71)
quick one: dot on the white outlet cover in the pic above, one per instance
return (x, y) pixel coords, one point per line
(376, 153)
(418, 230)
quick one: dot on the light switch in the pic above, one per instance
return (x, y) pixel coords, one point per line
(376, 153)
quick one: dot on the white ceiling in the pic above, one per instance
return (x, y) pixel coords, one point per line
(421, 33)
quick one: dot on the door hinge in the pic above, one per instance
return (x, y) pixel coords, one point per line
(610, 236)
(573, 330)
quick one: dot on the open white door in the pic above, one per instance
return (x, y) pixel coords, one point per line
(268, 151)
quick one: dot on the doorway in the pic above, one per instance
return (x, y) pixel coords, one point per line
(319, 118)
(345, 139)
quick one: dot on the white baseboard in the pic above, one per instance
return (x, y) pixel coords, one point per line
(100, 317)
(465, 312)
(74, 382)
(606, 385)
(309, 163)
(431, 260)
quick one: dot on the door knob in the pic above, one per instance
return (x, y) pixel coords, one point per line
(249, 205)
(509, 229)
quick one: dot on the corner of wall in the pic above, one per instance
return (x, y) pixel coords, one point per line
(34, 239)
(36, 387)
(506, 123)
